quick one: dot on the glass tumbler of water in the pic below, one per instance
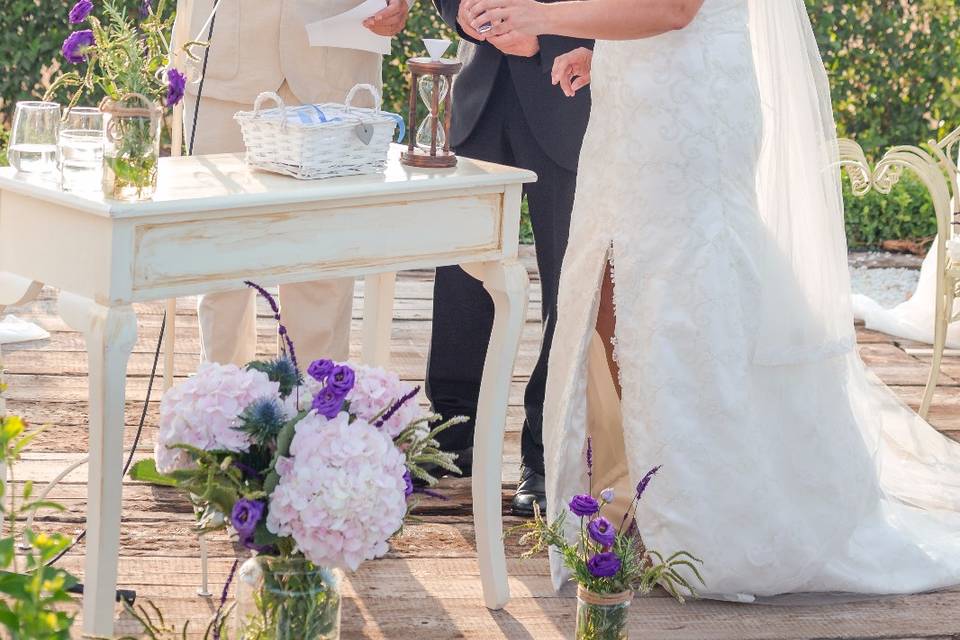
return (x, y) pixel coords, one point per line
(81, 149)
(33, 141)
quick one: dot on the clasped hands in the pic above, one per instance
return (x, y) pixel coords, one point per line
(514, 27)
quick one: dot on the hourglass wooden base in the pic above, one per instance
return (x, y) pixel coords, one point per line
(417, 157)
(436, 156)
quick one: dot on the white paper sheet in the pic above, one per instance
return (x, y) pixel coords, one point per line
(346, 30)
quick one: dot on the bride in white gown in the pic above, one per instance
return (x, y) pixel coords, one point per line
(708, 187)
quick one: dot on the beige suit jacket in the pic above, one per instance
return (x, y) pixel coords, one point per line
(259, 44)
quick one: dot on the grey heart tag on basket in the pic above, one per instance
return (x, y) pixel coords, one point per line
(364, 132)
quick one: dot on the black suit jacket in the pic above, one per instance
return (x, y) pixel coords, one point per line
(557, 122)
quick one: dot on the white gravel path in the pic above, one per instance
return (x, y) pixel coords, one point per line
(886, 277)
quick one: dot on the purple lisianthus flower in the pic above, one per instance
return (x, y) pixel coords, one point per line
(601, 530)
(408, 479)
(642, 485)
(328, 402)
(341, 379)
(607, 495)
(604, 565)
(584, 505)
(245, 516)
(320, 370)
(80, 11)
(75, 46)
(176, 83)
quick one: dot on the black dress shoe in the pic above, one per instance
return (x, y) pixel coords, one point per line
(464, 460)
(531, 489)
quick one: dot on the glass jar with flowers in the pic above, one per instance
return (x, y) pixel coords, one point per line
(313, 474)
(129, 61)
(609, 563)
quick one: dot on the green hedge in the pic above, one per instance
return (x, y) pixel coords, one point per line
(894, 70)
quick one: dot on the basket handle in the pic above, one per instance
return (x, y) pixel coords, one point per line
(377, 100)
(270, 95)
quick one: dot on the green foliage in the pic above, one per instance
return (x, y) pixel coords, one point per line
(33, 593)
(894, 67)
(894, 70)
(31, 32)
(423, 22)
(907, 212)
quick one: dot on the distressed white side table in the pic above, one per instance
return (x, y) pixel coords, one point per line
(215, 223)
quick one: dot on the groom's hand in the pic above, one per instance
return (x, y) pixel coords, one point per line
(389, 21)
(463, 20)
(516, 44)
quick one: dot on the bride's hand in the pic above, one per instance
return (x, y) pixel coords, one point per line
(572, 70)
(523, 17)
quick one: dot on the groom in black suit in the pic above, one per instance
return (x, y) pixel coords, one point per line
(506, 110)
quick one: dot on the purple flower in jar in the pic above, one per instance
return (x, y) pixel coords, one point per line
(601, 530)
(319, 370)
(80, 11)
(176, 83)
(75, 47)
(328, 402)
(584, 505)
(604, 565)
(245, 516)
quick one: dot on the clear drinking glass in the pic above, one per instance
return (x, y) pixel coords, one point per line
(81, 149)
(33, 141)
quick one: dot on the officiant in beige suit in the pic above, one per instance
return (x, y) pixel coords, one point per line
(258, 46)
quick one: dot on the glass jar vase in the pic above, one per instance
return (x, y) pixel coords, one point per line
(286, 599)
(132, 147)
(602, 616)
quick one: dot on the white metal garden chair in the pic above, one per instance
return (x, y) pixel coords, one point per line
(936, 166)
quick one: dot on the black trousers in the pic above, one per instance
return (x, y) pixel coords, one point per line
(462, 309)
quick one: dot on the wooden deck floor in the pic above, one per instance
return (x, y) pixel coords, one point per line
(428, 587)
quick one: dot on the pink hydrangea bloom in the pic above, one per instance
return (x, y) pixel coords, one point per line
(341, 493)
(376, 390)
(202, 412)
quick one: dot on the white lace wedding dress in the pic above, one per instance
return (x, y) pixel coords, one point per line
(787, 468)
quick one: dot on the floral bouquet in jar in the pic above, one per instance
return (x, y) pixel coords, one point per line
(127, 59)
(609, 562)
(313, 472)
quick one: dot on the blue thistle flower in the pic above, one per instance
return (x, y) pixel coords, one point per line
(263, 420)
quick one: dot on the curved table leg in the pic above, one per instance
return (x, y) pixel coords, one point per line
(508, 285)
(110, 333)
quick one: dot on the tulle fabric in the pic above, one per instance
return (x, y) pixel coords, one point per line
(914, 318)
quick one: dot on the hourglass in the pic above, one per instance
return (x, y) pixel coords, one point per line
(432, 79)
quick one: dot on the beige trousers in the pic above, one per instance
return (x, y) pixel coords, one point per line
(316, 314)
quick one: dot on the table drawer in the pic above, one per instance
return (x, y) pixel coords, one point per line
(335, 240)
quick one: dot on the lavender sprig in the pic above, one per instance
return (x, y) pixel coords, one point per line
(590, 462)
(396, 407)
(281, 329)
(641, 488)
(223, 600)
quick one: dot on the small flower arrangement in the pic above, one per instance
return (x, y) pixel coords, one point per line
(610, 563)
(121, 57)
(128, 60)
(311, 473)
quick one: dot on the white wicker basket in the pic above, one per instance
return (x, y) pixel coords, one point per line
(318, 141)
